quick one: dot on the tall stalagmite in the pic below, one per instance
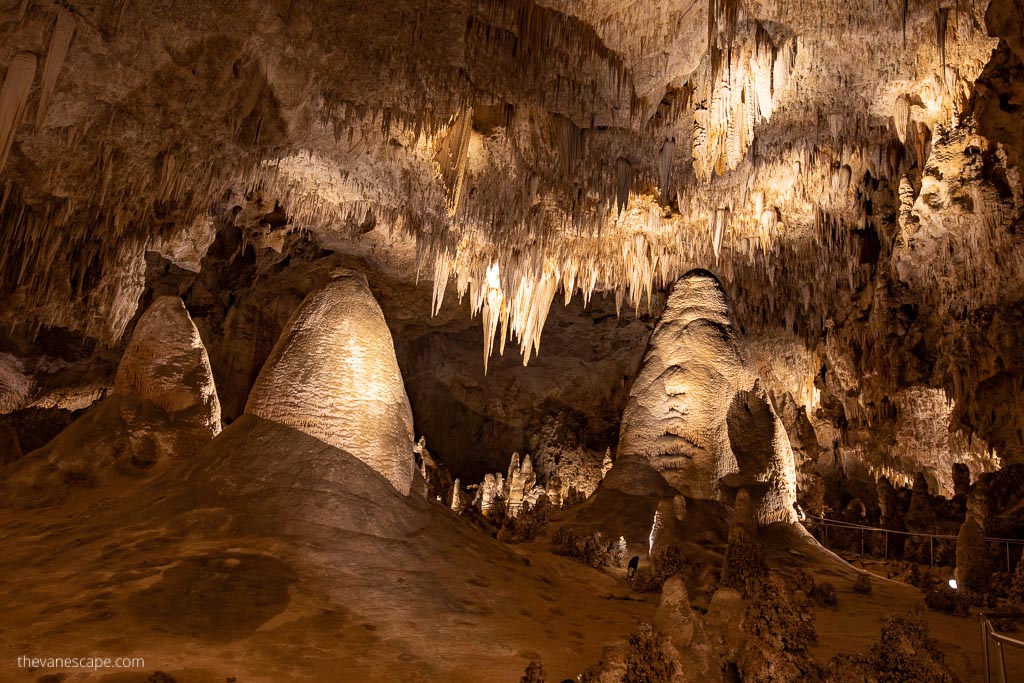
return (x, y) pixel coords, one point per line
(333, 375)
(697, 411)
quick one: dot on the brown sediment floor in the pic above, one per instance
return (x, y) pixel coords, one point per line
(274, 557)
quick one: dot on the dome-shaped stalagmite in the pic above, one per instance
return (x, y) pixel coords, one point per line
(333, 375)
(166, 365)
(163, 405)
(697, 411)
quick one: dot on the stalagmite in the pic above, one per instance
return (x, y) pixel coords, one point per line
(697, 412)
(457, 503)
(606, 463)
(163, 406)
(554, 167)
(333, 375)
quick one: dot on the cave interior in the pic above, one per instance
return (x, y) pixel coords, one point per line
(511, 340)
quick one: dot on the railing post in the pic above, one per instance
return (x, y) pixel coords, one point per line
(887, 544)
(931, 550)
(862, 543)
(984, 647)
(1002, 662)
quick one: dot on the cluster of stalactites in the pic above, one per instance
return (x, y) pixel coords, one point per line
(732, 101)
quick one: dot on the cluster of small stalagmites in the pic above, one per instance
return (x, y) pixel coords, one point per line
(769, 628)
(499, 496)
(518, 490)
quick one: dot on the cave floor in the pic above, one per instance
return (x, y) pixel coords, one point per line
(223, 571)
(333, 576)
(853, 625)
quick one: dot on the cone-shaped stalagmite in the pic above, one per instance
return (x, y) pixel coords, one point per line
(698, 413)
(333, 375)
(164, 405)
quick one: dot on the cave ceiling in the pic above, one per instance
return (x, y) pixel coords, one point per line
(849, 170)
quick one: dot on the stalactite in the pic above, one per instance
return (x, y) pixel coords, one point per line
(623, 183)
(666, 156)
(701, 152)
(901, 116)
(451, 156)
(906, 7)
(13, 98)
(941, 22)
(723, 17)
(60, 41)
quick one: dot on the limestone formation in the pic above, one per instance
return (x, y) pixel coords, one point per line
(961, 479)
(744, 568)
(724, 621)
(457, 503)
(973, 567)
(333, 375)
(607, 463)
(698, 412)
(488, 494)
(165, 365)
(665, 528)
(528, 187)
(521, 482)
(515, 483)
(163, 406)
(675, 619)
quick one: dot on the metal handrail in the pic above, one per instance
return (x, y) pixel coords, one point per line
(947, 537)
(988, 632)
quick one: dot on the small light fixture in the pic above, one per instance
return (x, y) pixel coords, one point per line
(952, 584)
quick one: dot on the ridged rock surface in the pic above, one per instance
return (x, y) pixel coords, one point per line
(333, 375)
(697, 411)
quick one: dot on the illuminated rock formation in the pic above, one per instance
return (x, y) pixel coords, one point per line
(165, 366)
(333, 375)
(697, 412)
(606, 463)
(521, 481)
